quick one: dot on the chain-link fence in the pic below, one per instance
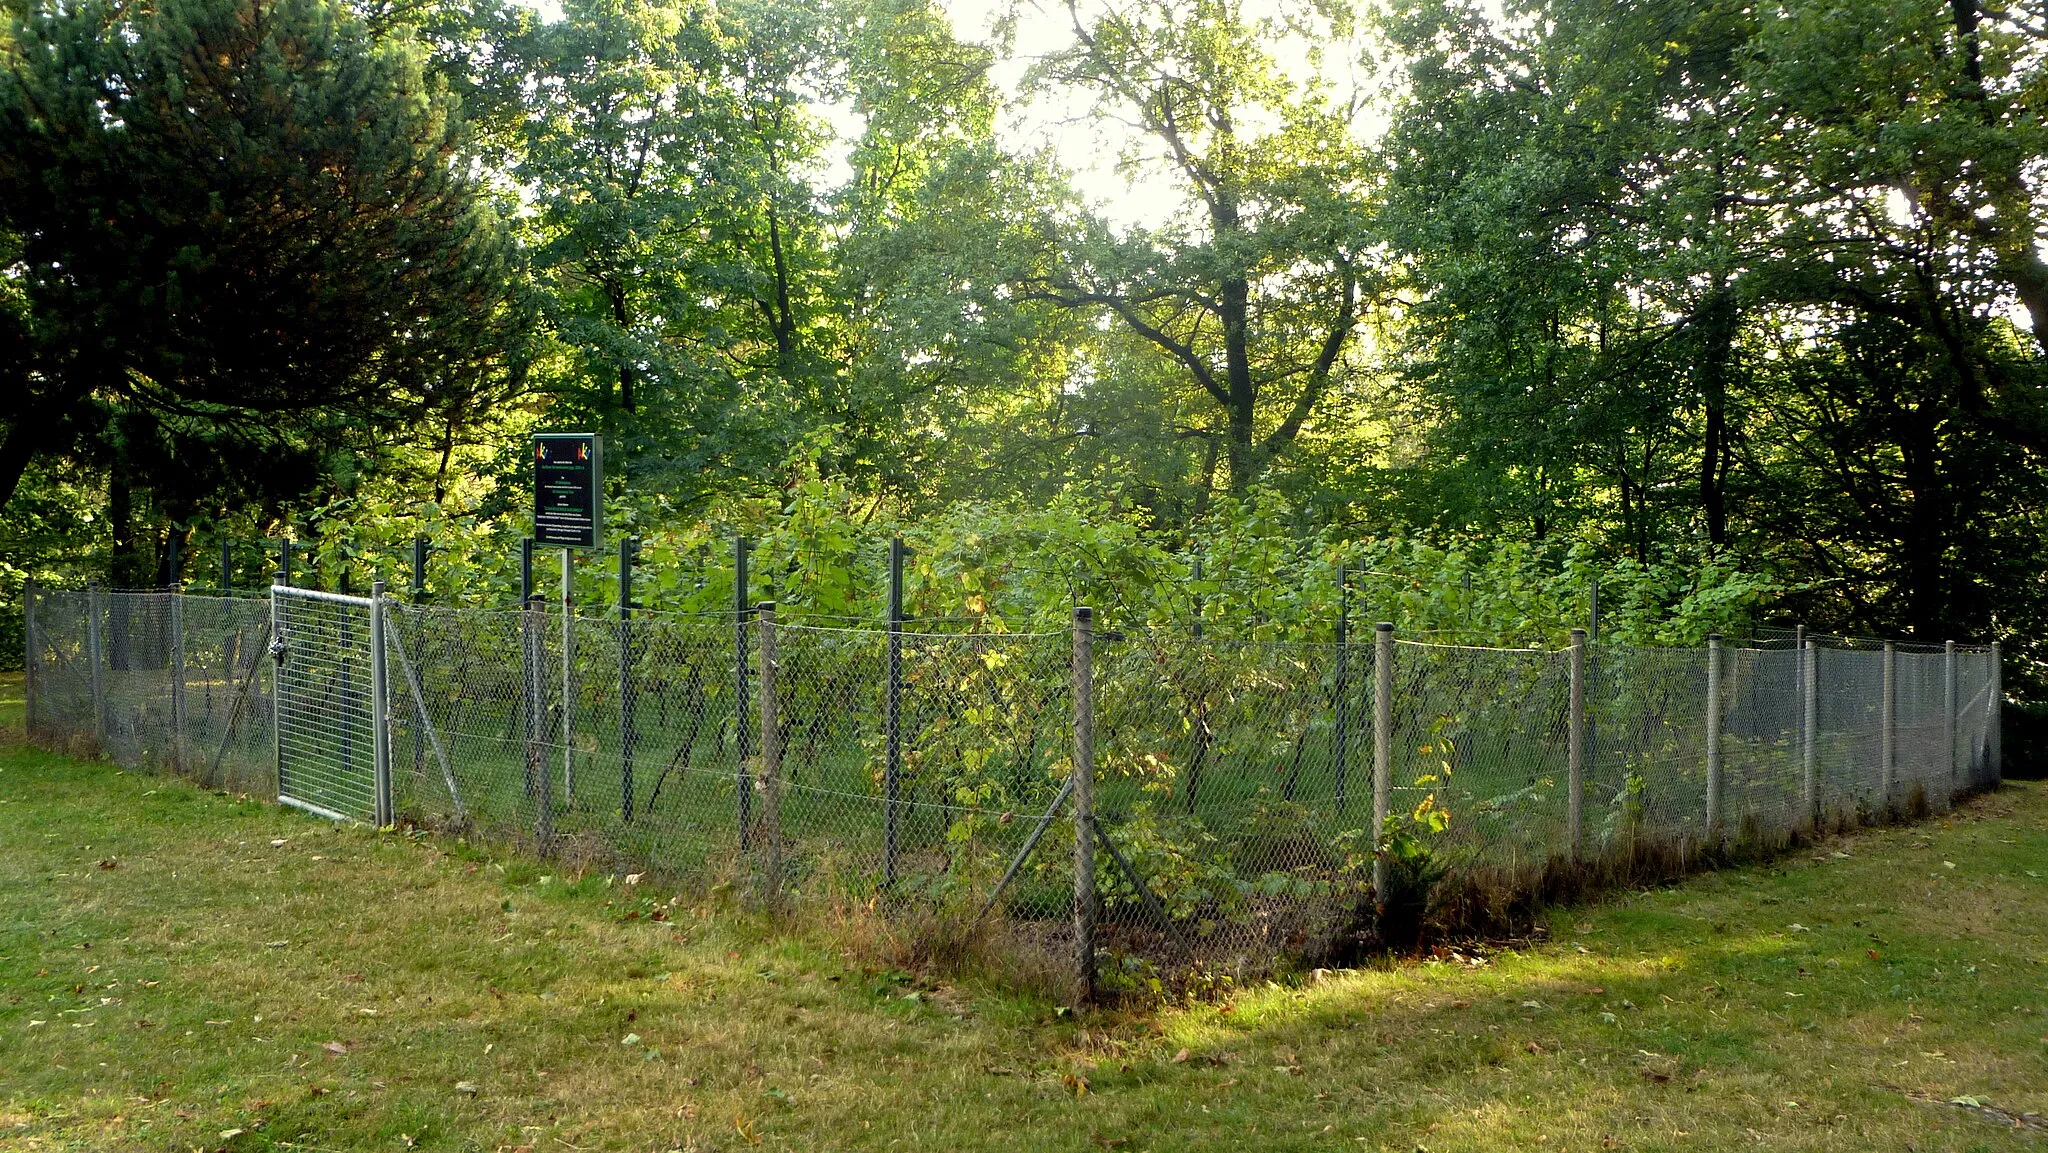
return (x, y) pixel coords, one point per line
(1241, 801)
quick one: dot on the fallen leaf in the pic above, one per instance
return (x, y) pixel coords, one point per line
(1076, 1084)
(466, 1087)
(1533, 1047)
(230, 1134)
(630, 1039)
(335, 1047)
(634, 878)
(1181, 1057)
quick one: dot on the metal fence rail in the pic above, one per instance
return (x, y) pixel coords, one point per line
(1241, 801)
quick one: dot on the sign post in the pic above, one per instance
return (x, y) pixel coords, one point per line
(568, 513)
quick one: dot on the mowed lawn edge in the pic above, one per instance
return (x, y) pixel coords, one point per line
(182, 969)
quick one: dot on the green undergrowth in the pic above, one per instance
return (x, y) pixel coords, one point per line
(185, 969)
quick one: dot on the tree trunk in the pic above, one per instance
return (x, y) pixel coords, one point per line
(1235, 308)
(622, 317)
(782, 319)
(1925, 540)
(1717, 322)
(124, 569)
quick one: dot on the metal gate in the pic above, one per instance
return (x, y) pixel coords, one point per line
(333, 739)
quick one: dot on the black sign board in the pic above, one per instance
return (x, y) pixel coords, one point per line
(568, 489)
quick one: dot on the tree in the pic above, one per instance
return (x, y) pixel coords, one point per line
(1735, 274)
(245, 224)
(1257, 293)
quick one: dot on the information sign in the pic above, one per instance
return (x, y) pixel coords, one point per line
(568, 489)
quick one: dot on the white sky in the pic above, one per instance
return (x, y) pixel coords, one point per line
(1088, 147)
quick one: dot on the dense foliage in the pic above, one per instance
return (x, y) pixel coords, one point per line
(1738, 311)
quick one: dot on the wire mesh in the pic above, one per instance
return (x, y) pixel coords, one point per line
(228, 684)
(326, 736)
(929, 775)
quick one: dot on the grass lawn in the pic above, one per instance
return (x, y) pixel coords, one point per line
(180, 969)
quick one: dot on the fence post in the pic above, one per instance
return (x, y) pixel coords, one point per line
(277, 659)
(1382, 750)
(380, 710)
(1575, 794)
(1198, 758)
(1888, 751)
(29, 652)
(177, 655)
(95, 653)
(1948, 713)
(1714, 839)
(771, 758)
(284, 561)
(537, 785)
(742, 680)
(419, 644)
(1809, 729)
(568, 685)
(629, 553)
(892, 769)
(1340, 735)
(1592, 755)
(1083, 775)
(1996, 742)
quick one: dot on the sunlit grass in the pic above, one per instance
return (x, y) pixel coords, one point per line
(168, 975)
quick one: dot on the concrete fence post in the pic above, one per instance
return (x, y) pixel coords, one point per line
(629, 551)
(1809, 732)
(892, 720)
(771, 759)
(742, 684)
(1340, 692)
(176, 625)
(1888, 730)
(1996, 738)
(1948, 714)
(1083, 777)
(540, 784)
(96, 656)
(1575, 793)
(1714, 814)
(1382, 751)
(568, 682)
